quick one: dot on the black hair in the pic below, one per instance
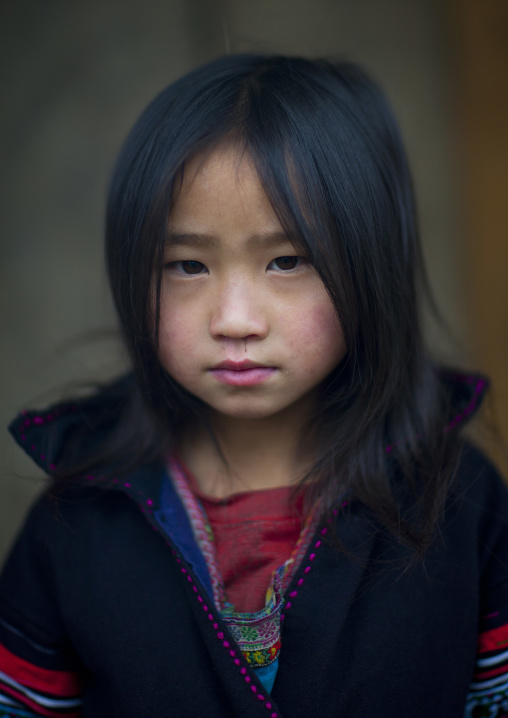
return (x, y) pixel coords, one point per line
(329, 155)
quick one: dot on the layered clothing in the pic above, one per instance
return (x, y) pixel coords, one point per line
(107, 603)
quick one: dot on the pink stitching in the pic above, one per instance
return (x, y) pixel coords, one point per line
(480, 384)
(226, 644)
(312, 556)
(220, 635)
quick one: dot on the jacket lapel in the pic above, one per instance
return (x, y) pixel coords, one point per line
(319, 602)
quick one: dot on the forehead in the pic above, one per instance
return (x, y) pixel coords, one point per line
(228, 166)
(220, 191)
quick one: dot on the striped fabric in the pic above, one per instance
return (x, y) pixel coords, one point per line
(28, 690)
(488, 694)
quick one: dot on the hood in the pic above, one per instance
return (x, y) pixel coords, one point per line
(44, 434)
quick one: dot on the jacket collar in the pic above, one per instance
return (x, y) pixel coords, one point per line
(43, 434)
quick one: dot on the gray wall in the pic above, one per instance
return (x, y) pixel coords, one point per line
(74, 78)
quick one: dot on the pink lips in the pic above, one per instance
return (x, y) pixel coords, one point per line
(242, 373)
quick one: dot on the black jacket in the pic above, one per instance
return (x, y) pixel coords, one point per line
(94, 587)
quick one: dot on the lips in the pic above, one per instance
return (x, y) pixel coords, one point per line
(243, 373)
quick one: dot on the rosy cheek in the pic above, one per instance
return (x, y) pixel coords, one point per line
(175, 343)
(317, 325)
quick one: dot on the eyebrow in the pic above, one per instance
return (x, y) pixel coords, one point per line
(206, 240)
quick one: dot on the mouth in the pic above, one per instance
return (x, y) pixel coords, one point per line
(243, 373)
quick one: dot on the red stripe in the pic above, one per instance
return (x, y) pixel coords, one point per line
(34, 706)
(483, 675)
(65, 684)
(494, 640)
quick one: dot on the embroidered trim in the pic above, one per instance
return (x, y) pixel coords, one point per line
(293, 594)
(222, 637)
(200, 528)
(491, 703)
(488, 692)
(257, 634)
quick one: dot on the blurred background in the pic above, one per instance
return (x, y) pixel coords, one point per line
(74, 77)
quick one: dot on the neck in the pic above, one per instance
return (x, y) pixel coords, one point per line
(249, 454)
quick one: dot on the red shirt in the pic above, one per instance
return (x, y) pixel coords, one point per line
(255, 532)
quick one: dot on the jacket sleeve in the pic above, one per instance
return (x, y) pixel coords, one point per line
(488, 694)
(39, 674)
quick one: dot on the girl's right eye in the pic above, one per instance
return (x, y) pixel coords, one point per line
(189, 267)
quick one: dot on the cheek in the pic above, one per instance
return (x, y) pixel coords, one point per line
(177, 340)
(317, 325)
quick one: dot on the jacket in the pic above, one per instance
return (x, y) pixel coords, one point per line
(104, 598)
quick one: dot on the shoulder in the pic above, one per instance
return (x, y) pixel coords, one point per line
(59, 513)
(477, 512)
(479, 487)
(58, 530)
(66, 432)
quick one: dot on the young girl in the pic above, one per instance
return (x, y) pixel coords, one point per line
(274, 514)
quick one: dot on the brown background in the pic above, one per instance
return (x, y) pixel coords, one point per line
(74, 76)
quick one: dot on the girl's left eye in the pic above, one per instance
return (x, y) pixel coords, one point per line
(285, 263)
(189, 267)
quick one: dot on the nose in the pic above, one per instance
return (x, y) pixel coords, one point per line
(238, 311)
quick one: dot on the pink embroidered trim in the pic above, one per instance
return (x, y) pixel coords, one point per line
(204, 537)
(458, 418)
(145, 504)
(256, 690)
(303, 543)
(293, 594)
(200, 529)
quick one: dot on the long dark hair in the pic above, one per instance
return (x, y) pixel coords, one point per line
(329, 155)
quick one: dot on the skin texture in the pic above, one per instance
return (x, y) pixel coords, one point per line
(234, 290)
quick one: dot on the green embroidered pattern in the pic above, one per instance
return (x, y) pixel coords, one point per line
(489, 703)
(257, 634)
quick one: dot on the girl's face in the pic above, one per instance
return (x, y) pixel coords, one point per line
(246, 324)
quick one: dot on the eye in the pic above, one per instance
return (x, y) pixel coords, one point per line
(189, 266)
(286, 263)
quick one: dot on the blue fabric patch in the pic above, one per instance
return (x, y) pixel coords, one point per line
(173, 520)
(267, 674)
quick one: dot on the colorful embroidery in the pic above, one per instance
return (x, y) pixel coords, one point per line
(257, 634)
(488, 693)
(201, 529)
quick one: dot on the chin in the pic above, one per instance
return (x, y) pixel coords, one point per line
(243, 413)
(249, 410)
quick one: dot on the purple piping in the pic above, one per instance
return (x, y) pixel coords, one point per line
(38, 419)
(256, 690)
(311, 558)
